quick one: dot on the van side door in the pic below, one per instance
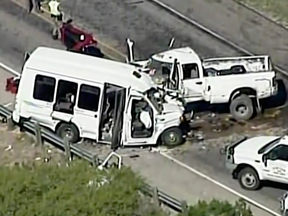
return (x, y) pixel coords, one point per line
(193, 83)
(87, 109)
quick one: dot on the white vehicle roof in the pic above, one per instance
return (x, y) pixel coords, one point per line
(80, 66)
(184, 55)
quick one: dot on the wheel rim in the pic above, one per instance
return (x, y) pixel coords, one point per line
(172, 137)
(248, 180)
(242, 110)
(67, 133)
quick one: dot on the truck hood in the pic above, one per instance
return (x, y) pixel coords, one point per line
(254, 144)
(172, 108)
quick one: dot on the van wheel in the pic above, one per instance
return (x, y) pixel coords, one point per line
(241, 108)
(248, 179)
(68, 131)
(172, 137)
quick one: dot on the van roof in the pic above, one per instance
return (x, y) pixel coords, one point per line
(80, 66)
(184, 55)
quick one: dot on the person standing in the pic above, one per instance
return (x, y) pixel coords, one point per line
(56, 14)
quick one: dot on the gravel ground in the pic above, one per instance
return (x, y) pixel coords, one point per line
(20, 148)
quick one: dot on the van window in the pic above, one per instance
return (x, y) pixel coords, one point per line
(89, 97)
(65, 97)
(44, 88)
(66, 91)
(190, 71)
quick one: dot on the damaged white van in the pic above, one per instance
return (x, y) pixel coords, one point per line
(79, 96)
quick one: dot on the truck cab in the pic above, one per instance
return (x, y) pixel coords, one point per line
(262, 158)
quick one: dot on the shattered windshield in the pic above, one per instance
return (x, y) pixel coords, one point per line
(159, 68)
(151, 95)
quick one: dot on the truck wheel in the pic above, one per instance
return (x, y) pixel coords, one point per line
(172, 137)
(68, 131)
(241, 108)
(248, 179)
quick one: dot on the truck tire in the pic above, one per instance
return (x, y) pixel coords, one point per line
(172, 137)
(248, 179)
(241, 108)
(69, 131)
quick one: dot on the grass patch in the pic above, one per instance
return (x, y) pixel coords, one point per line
(276, 9)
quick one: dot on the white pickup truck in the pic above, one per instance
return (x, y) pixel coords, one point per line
(238, 81)
(262, 158)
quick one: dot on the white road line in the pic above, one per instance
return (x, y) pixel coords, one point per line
(10, 70)
(219, 184)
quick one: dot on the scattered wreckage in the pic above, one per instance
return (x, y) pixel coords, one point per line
(240, 82)
(107, 102)
(257, 159)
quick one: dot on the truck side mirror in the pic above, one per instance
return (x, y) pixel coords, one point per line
(264, 159)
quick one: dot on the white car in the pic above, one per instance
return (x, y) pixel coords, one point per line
(262, 158)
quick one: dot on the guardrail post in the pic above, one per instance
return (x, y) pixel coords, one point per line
(155, 196)
(184, 207)
(67, 151)
(10, 124)
(38, 137)
(95, 161)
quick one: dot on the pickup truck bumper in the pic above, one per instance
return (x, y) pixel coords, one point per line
(268, 93)
(230, 166)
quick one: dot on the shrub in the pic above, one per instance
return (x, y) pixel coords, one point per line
(219, 208)
(79, 190)
(67, 191)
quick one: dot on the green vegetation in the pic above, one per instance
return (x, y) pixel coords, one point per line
(78, 190)
(275, 8)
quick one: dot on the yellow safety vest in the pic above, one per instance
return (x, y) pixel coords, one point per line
(54, 8)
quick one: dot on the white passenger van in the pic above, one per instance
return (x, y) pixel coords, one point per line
(79, 96)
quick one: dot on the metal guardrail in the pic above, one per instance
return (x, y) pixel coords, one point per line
(47, 135)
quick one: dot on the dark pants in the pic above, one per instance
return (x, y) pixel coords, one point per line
(34, 3)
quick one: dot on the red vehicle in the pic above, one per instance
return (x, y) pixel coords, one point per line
(76, 40)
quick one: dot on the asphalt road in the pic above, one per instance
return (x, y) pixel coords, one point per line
(115, 21)
(239, 25)
(20, 32)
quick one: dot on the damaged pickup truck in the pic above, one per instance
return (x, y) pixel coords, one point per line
(239, 82)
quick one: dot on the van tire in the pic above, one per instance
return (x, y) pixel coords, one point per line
(172, 137)
(247, 109)
(251, 174)
(64, 128)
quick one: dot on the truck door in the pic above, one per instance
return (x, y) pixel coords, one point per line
(174, 79)
(193, 84)
(276, 164)
(120, 102)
